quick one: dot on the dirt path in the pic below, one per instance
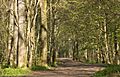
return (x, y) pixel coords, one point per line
(70, 68)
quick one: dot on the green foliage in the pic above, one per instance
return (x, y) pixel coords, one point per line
(37, 68)
(14, 71)
(109, 70)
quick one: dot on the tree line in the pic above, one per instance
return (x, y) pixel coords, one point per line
(36, 32)
(92, 30)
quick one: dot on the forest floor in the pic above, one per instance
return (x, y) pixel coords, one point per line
(70, 68)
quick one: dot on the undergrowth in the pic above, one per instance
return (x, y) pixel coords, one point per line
(21, 71)
(14, 71)
(110, 69)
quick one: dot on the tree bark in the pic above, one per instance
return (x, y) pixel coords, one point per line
(44, 49)
(10, 37)
(22, 51)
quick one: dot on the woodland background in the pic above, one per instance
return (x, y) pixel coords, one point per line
(36, 32)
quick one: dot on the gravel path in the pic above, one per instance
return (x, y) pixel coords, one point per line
(70, 68)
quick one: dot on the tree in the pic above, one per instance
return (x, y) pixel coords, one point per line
(44, 30)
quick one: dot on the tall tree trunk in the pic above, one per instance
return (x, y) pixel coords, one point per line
(49, 60)
(73, 49)
(33, 31)
(53, 49)
(77, 49)
(10, 37)
(28, 32)
(106, 40)
(13, 34)
(44, 49)
(37, 34)
(111, 55)
(16, 32)
(32, 11)
(22, 50)
(116, 59)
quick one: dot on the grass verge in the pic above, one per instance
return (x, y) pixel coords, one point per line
(21, 71)
(14, 71)
(108, 71)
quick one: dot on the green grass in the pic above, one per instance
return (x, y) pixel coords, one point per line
(38, 68)
(14, 71)
(21, 71)
(110, 69)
